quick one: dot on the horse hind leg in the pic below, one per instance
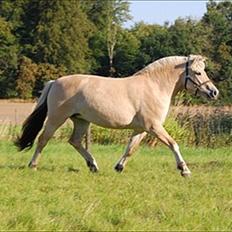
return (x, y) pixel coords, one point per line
(80, 129)
(134, 142)
(50, 127)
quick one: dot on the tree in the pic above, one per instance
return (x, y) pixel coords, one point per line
(218, 19)
(108, 17)
(153, 40)
(57, 34)
(8, 59)
(117, 13)
(188, 36)
(44, 73)
(126, 54)
(12, 12)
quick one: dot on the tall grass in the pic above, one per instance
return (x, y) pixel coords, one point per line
(209, 126)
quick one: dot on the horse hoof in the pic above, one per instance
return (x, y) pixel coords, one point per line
(92, 167)
(32, 166)
(185, 173)
(119, 167)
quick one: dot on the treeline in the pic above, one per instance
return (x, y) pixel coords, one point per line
(45, 39)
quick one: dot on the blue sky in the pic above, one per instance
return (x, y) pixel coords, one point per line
(158, 12)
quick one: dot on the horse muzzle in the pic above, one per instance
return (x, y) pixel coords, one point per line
(214, 94)
(209, 91)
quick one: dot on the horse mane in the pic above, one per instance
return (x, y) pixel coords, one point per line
(161, 64)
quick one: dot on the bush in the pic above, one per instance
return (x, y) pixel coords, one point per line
(26, 77)
(32, 77)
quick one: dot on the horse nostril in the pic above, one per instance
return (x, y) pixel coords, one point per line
(214, 93)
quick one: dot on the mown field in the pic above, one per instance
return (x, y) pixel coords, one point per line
(149, 195)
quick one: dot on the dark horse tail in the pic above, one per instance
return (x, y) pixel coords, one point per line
(34, 123)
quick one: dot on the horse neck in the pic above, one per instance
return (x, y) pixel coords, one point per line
(168, 79)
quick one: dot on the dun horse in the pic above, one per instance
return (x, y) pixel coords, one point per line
(140, 102)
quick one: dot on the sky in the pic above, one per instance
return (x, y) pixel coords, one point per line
(159, 12)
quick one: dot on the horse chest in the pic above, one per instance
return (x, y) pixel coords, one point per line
(154, 111)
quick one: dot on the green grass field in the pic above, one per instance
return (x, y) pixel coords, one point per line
(149, 195)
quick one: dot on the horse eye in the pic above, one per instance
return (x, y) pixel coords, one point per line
(197, 73)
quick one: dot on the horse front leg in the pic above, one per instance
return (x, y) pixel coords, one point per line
(134, 142)
(159, 131)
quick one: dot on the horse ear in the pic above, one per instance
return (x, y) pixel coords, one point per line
(202, 58)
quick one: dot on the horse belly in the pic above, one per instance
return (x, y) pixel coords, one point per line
(107, 117)
(109, 121)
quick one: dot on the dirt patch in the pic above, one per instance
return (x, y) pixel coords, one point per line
(14, 112)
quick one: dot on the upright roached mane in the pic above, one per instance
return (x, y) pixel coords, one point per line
(139, 102)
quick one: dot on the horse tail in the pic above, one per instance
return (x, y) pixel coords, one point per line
(34, 123)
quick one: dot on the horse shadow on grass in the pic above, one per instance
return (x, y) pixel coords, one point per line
(211, 164)
(44, 168)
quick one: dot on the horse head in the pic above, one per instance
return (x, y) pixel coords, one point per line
(196, 79)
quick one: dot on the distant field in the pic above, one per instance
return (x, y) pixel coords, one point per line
(149, 195)
(14, 112)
